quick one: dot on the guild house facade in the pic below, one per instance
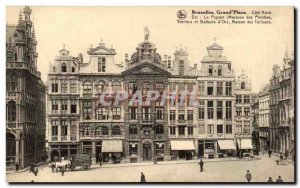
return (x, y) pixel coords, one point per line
(84, 117)
(25, 96)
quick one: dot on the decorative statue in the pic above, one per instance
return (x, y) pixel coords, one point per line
(146, 29)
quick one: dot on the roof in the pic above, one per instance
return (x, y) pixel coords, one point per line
(10, 30)
(215, 46)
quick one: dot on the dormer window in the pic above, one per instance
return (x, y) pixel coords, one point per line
(210, 70)
(63, 67)
(220, 70)
(181, 67)
(243, 85)
(101, 64)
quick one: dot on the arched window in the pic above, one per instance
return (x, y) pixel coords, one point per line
(104, 130)
(220, 70)
(243, 85)
(98, 131)
(87, 87)
(116, 130)
(100, 87)
(73, 69)
(11, 111)
(63, 67)
(210, 70)
(116, 86)
(87, 131)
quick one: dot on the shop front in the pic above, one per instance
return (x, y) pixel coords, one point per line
(182, 149)
(209, 149)
(112, 151)
(226, 148)
(245, 147)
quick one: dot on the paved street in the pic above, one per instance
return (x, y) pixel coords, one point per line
(216, 171)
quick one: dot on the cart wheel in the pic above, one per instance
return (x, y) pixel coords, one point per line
(85, 167)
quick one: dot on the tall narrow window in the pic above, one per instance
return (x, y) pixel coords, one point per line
(220, 129)
(243, 85)
(190, 116)
(201, 87)
(228, 88)
(54, 128)
(219, 88)
(63, 67)
(132, 112)
(210, 109)
(201, 110)
(238, 99)
(116, 86)
(219, 70)
(146, 87)
(201, 129)
(54, 87)
(64, 87)
(87, 110)
(172, 130)
(210, 88)
(181, 67)
(11, 111)
(159, 87)
(210, 70)
(210, 129)
(101, 64)
(220, 109)
(116, 113)
(146, 113)
(228, 110)
(132, 87)
(64, 106)
(73, 87)
(172, 116)
(228, 129)
(100, 87)
(246, 98)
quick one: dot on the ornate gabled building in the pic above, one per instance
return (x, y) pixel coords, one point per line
(216, 90)
(85, 114)
(25, 96)
(264, 114)
(282, 107)
(243, 118)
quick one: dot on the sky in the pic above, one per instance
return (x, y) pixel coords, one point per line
(252, 48)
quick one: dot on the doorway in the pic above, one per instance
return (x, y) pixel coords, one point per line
(147, 153)
(201, 149)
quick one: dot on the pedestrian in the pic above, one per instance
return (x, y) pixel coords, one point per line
(17, 166)
(201, 163)
(52, 166)
(62, 171)
(281, 155)
(270, 153)
(35, 170)
(248, 176)
(100, 159)
(143, 178)
(270, 180)
(279, 180)
(286, 154)
(31, 167)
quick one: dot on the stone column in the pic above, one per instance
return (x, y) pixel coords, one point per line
(93, 152)
(17, 159)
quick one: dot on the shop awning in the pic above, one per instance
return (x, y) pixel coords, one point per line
(245, 143)
(112, 146)
(226, 144)
(182, 145)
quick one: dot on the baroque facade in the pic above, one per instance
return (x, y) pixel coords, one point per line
(264, 123)
(131, 131)
(25, 96)
(282, 107)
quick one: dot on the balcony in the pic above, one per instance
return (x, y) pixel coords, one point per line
(159, 136)
(64, 138)
(133, 136)
(54, 138)
(116, 117)
(73, 138)
(181, 121)
(11, 125)
(149, 121)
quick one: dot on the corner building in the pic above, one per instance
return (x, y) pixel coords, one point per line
(25, 96)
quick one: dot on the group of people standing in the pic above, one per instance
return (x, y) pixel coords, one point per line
(249, 178)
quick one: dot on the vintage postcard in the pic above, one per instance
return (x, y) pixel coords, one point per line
(150, 94)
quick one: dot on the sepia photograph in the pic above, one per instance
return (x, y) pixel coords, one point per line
(161, 94)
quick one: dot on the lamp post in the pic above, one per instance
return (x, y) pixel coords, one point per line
(240, 148)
